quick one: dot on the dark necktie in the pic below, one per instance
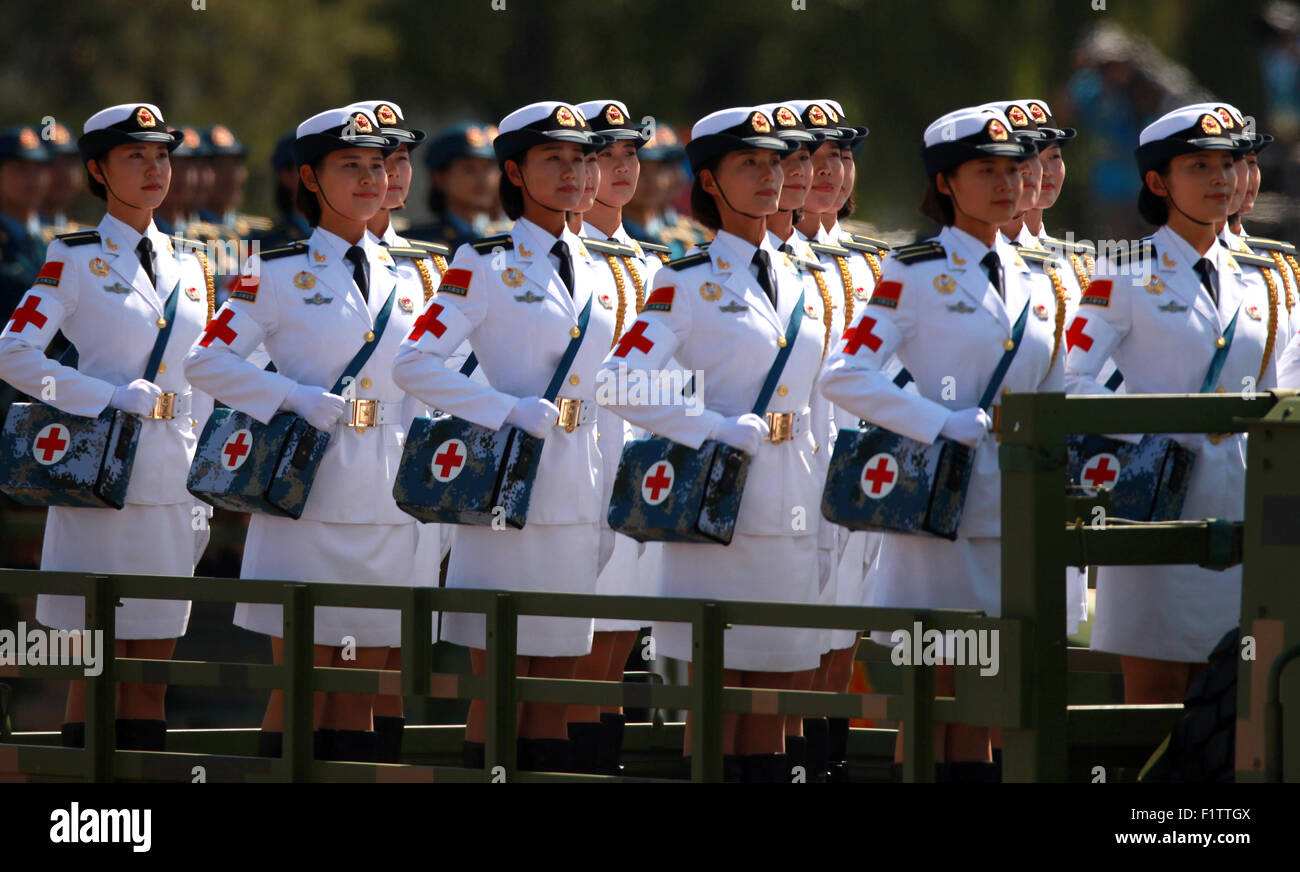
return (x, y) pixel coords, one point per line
(360, 274)
(993, 267)
(1209, 278)
(561, 250)
(787, 248)
(762, 263)
(145, 252)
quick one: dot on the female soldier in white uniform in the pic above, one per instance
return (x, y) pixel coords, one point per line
(108, 290)
(726, 312)
(1162, 312)
(946, 308)
(315, 304)
(517, 299)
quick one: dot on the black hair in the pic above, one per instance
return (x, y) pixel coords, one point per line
(935, 205)
(512, 196)
(850, 206)
(306, 200)
(284, 199)
(96, 188)
(437, 199)
(704, 208)
(1152, 207)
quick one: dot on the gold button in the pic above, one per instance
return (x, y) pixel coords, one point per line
(575, 332)
(1220, 342)
(782, 390)
(1214, 438)
(365, 382)
(370, 336)
(1008, 345)
(161, 322)
(193, 423)
(1220, 390)
(1006, 391)
(573, 379)
(780, 340)
(162, 367)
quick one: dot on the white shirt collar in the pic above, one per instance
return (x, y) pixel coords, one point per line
(968, 246)
(126, 238)
(1170, 239)
(338, 246)
(741, 251)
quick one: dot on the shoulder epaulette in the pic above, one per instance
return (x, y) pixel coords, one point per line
(918, 252)
(608, 246)
(653, 246)
(689, 260)
(863, 239)
(81, 237)
(802, 263)
(703, 246)
(287, 251)
(1034, 255)
(487, 244)
(1269, 244)
(431, 247)
(823, 248)
(864, 247)
(1072, 247)
(1131, 254)
(412, 252)
(1254, 259)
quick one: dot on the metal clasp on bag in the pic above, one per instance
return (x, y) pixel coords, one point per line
(363, 414)
(570, 413)
(780, 426)
(164, 408)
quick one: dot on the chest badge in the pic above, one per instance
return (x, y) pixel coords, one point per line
(861, 294)
(1254, 313)
(406, 305)
(945, 284)
(606, 301)
(960, 308)
(1040, 312)
(810, 310)
(733, 307)
(1155, 285)
(512, 277)
(304, 280)
(710, 291)
(117, 288)
(529, 297)
(317, 300)
(99, 267)
(1173, 307)
(192, 293)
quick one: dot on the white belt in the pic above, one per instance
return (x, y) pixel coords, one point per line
(574, 413)
(785, 426)
(372, 413)
(171, 405)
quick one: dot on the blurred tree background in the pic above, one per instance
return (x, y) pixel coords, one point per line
(261, 67)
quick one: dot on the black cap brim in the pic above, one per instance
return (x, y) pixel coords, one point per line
(314, 145)
(96, 142)
(705, 148)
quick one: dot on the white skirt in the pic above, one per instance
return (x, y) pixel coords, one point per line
(621, 577)
(754, 568)
(282, 549)
(851, 574)
(556, 558)
(1176, 613)
(136, 540)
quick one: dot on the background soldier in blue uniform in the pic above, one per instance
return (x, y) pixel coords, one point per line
(463, 181)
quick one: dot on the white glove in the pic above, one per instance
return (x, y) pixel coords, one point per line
(825, 564)
(606, 549)
(322, 410)
(534, 416)
(745, 432)
(967, 426)
(138, 397)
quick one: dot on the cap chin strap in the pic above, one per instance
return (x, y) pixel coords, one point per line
(727, 200)
(1170, 198)
(524, 185)
(103, 171)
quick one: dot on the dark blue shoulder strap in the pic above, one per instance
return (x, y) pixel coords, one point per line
(1017, 333)
(468, 366)
(1220, 357)
(553, 389)
(773, 374)
(360, 358)
(160, 344)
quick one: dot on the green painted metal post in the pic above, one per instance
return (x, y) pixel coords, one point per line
(918, 722)
(417, 643)
(299, 660)
(1032, 458)
(706, 686)
(502, 630)
(101, 712)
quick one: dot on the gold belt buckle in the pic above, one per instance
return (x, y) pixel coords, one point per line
(570, 412)
(997, 423)
(164, 408)
(365, 413)
(780, 426)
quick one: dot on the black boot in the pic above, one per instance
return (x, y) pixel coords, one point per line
(837, 749)
(796, 750)
(815, 735)
(73, 734)
(766, 768)
(472, 755)
(388, 736)
(733, 769)
(270, 743)
(324, 744)
(545, 755)
(356, 746)
(609, 753)
(135, 734)
(586, 737)
(972, 772)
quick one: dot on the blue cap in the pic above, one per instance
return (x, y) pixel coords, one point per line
(466, 139)
(57, 139)
(22, 143)
(220, 140)
(282, 156)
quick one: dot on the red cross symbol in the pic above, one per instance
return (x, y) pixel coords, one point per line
(879, 476)
(429, 323)
(236, 449)
(856, 337)
(1075, 338)
(220, 329)
(634, 338)
(27, 314)
(449, 459)
(655, 486)
(1098, 472)
(51, 445)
